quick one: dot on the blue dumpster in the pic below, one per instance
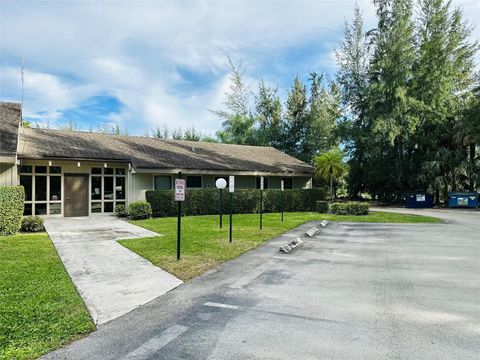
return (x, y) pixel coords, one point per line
(462, 199)
(418, 200)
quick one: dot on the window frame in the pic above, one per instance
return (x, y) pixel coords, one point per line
(194, 187)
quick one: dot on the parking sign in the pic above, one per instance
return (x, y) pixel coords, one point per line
(179, 189)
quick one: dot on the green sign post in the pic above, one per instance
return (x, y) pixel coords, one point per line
(179, 197)
(281, 199)
(231, 189)
(261, 202)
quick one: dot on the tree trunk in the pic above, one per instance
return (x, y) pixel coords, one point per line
(331, 188)
(472, 166)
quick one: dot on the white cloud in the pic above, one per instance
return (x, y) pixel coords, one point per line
(136, 51)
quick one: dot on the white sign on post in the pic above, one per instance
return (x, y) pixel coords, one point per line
(261, 182)
(231, 183)
(281, 185)
(179, 189)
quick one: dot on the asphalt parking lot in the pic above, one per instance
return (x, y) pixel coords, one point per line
(354, 291)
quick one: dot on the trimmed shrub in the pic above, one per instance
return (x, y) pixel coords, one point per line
(32, 224)
(349, 208)
(121, 211)
(11, 209)
(140, 210)
(207, 201)
(322, 206)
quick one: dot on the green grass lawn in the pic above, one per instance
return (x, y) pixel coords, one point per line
(40, 309)
(205, 245)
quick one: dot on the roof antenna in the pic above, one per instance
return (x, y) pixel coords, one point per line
(23, 65)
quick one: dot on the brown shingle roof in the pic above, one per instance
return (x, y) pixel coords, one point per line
(10, 115)
(153, 153)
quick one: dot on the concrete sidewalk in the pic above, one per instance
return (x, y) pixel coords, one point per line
(111, 279)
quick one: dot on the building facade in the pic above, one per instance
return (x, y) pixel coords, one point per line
(73, 173)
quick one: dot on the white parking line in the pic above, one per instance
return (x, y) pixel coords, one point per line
(219, 305)
(153, 345)
(289, 258)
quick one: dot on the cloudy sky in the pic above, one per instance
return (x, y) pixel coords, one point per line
(143, 64)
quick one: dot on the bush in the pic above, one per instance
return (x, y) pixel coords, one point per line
(140, 210)
(322, 206)
(349, 208)
(121, 211)
(11, 209)
(207, 201)
(32, 224)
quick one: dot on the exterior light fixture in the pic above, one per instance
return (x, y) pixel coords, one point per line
(221, 184)
(49, 162)
(104, 165)
(78, 164)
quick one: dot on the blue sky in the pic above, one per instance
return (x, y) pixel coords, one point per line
(150, 63)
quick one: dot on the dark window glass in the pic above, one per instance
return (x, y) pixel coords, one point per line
(40, 188)
(265, 183)
(55, 208)
(27, 210)
(55, 170)
(26, 169)
(96, 207)
(26, 182)
(41, 169)
(194, 181)
(108, 188)
(55, 188)
(40, 209)
(96, 170)
(96, 187)
(120, 187)
(108, 206)
(287, 183)
(108, 171)
(120, 171)
(163, 182)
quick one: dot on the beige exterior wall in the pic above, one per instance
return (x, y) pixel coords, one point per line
(141, 182)
(8, 174)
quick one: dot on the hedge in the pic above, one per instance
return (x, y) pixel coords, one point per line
(349, 208)
(32, 224)
(139, 210)
(206, 201)
(322, 206)
(11, 209)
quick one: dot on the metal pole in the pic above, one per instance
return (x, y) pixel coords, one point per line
(221, 207)
(261, 206)
(179, 223)
(231, 211)
(282, 206)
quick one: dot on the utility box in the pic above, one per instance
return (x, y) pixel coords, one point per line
(418, 200)
(463, 199)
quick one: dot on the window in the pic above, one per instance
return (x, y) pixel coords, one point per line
(194, 181)
(96, 187)
(26, 169)
(27, 210)
(119, 187)
(55, 208)
(108, 188)
(287, 183)
(163, 182)
(96, 207)
(265, 183)
(120, 171)
(108, 171)
(26, 182)
(55, 170)
(41, 169)
(41, 209)
(40, 188)
(97, 171)
(108, 206)
(55, 188)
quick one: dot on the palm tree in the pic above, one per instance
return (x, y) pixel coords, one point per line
(330, 165)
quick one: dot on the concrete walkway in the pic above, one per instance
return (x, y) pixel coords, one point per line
(111, 279)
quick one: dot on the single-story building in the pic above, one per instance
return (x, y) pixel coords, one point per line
(77, 173)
